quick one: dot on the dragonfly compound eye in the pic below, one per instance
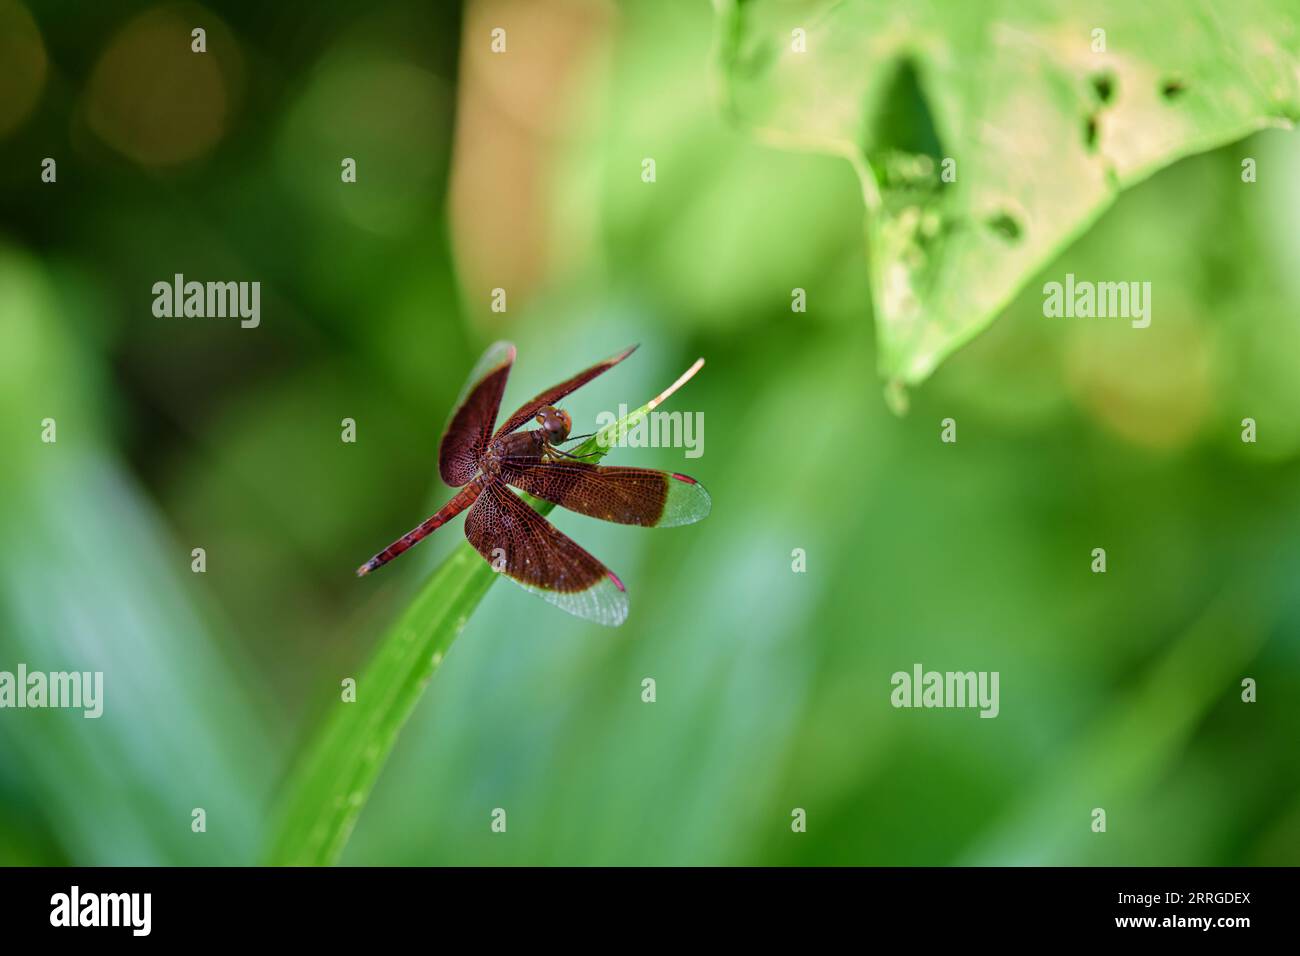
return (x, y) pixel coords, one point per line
(556, 422)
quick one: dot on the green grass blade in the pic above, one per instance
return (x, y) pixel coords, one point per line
(328, 788)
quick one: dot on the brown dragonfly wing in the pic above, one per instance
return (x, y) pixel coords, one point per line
(639, 496)
(553, 395)
(469, 429)
(519, 542)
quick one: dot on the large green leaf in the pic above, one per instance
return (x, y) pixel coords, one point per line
(1045, 128)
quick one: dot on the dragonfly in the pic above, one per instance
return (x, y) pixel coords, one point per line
(513, 537)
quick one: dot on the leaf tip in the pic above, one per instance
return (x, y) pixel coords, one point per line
(896, 397)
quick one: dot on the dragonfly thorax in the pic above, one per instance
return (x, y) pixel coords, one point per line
(518, 448)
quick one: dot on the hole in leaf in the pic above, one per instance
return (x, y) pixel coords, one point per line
(1172, 88)
(903, 125)
(1006, 226)
(1103, 84)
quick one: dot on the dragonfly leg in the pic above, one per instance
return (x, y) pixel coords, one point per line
(561, 451)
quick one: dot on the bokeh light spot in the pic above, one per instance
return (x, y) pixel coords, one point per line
(154, 100)
(23, 76)
(1153, 387)
(400, 149)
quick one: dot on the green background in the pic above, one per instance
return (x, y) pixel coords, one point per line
(523, 171)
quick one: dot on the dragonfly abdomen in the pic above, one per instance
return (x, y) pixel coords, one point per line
(458, 503)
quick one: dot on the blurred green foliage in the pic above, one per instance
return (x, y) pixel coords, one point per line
(523, 171)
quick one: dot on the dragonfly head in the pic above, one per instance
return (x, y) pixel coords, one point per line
(555, 422)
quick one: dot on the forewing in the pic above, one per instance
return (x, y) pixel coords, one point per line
(470, 427)
(520, 543)
(639, 496)
(553, 395)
